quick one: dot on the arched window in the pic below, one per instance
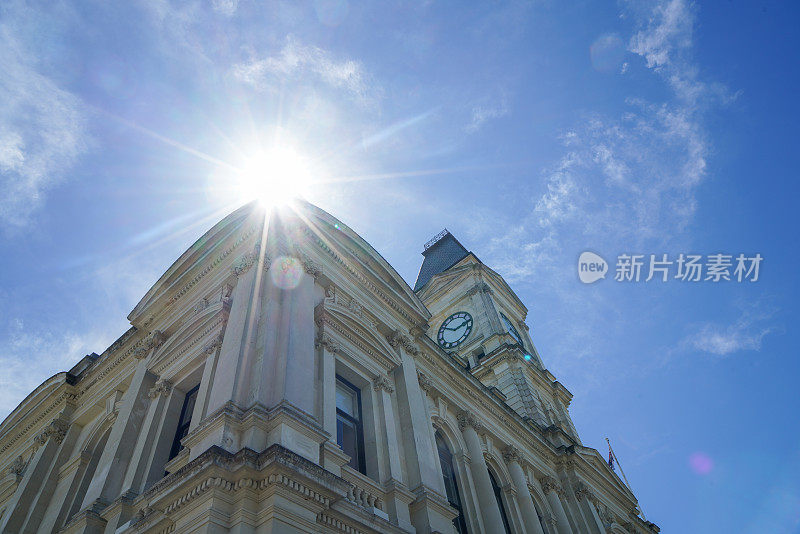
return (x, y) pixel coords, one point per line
(450, 483)
(499, 497)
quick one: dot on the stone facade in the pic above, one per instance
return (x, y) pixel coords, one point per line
(260, 323)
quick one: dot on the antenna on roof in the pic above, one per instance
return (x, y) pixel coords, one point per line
(435, 239)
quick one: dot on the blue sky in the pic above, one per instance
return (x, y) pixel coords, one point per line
(532, 130)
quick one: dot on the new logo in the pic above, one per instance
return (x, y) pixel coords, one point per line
(591, 267)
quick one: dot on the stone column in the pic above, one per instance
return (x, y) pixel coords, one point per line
(586, 500)
(492, 519)
(39, 470)
(513, 458)
(552, 491)
(396, 500)
(234, 361)
(267, 360)
(430, 510)
(332, 457)
(209, 368)
(113, 464)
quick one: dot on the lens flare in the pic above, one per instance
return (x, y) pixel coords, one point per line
(286, 272)
(701, 463)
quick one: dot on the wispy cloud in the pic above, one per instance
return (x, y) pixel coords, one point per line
(42, 131)
(486, 111)
(299, 62)
(746, 333)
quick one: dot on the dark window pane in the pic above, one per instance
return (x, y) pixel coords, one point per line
(450, 484)
(349, 432)
(499, 497)
(184, 422)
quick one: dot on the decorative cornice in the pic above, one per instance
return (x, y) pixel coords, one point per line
(383, 383)
(468, 419)
(162, 387)
(512, 454)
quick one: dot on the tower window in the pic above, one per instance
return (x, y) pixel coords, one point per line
(184, 422)
(349, 429)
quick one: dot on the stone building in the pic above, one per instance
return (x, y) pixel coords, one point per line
(282, 377)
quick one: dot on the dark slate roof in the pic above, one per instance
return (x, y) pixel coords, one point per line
(442, 253)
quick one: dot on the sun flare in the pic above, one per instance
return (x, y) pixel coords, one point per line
(273, 176)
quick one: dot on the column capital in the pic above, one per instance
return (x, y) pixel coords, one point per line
(512, 454)
(581, 491)
(549, 484)
(154, 339)
(311, 267)
(383, 383)
(57, 429)
(213, 345)
(468, 419)
(328, 343)
(398, 339)
(247, 260)
(161, 387)
(425, 383)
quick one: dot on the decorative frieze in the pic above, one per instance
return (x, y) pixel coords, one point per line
(383, 383)
(161, 387)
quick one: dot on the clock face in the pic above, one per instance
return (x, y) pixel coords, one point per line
(511, 329)
(454, 330)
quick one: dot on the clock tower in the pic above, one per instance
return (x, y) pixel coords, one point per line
(479, 320)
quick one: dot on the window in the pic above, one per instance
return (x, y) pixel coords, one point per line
(450, 483)
(184, 422)
(349, 431)
(499, 497)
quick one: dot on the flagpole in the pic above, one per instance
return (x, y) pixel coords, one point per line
(611, 450)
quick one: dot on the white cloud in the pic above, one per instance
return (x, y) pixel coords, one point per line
(225, 7)
(668, 32)
(746, 333)
(487, 111)
(42, 131)
(301, 63)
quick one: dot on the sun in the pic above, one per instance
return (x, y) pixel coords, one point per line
(273, 176)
